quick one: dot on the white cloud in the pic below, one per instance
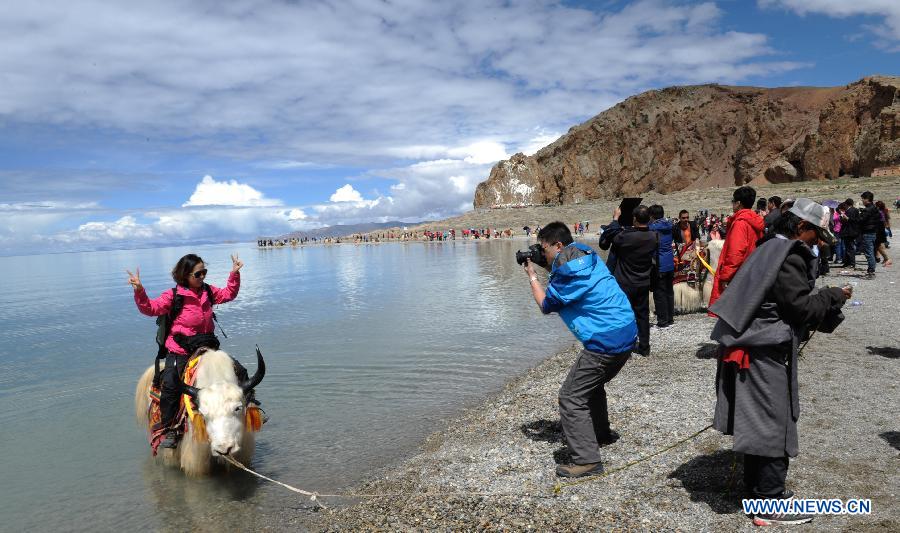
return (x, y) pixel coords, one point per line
(889, 10)
(349, 81)
(289, 164)
(212, 192)
(346, 194)
(124, 228)
(480, 153)
(537, 142)
(429, 94)
(461, 183)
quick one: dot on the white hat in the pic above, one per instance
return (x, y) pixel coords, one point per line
(814, 213)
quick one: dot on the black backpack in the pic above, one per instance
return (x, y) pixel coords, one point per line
(164, 322)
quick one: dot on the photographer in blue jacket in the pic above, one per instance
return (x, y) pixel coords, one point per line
(588, 299)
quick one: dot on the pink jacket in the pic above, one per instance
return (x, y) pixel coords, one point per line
(195, 316)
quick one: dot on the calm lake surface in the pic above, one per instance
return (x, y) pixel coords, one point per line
(369, 348)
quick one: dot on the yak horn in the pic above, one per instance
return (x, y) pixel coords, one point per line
(247, 386)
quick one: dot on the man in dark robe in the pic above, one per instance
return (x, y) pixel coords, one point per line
(769, 307)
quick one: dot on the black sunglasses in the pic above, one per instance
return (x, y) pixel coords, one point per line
(200, 273)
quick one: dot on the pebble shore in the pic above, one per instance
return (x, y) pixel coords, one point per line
(492, 468)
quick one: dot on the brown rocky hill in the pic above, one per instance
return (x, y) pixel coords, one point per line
(709, 136)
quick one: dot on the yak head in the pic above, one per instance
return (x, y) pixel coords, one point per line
(222, 400)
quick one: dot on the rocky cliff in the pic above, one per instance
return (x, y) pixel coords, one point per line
(709, 136)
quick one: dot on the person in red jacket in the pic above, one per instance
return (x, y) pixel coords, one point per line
(743, 230)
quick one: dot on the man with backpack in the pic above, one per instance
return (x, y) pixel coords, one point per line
(187, 326)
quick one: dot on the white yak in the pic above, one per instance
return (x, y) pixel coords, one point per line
(694, 297)
(222, 403)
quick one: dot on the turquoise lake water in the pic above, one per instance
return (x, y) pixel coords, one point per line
(369, 348)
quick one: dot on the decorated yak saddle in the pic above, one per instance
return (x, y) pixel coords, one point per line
(688, 263)
(188, 410)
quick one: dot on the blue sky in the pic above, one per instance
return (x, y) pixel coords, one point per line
(170, 122)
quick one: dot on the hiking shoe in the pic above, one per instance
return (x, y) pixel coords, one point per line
(869, 275)
(643, 351)
(171, 440)
(607, 439)
(785, 495)
(788, 518)
(573, 470)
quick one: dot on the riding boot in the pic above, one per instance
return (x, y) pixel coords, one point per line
(169, 396)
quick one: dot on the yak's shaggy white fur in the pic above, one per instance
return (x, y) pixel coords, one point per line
(221, 402)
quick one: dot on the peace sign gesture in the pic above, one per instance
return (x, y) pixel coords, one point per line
(135, 279)
(236, 263)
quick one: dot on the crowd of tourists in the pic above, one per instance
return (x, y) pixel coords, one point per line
(295, 241)
(764, 300)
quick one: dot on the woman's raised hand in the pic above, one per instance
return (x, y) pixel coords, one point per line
(236, 263)
(135, 279)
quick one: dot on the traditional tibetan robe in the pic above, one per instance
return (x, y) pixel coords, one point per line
(769, 307)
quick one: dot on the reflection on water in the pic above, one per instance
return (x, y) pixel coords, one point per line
(369, 348)
(349, 269)
(185, 504)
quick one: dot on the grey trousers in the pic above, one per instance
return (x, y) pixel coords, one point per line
(582, 403)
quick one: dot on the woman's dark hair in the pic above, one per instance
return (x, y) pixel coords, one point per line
(657, 212)
(788, 224)
(760, 203)
(880, 205)
(555, 232)
(182, 271)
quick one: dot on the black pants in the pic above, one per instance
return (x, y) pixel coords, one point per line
(664, 299)
(639, 297)
(170, 386)
(764, 477)
(849, 251)
(825, 252)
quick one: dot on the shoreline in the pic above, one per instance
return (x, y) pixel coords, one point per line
(505, 448)
(717, 200)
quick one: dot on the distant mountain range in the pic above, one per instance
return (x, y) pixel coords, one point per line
(342, 230)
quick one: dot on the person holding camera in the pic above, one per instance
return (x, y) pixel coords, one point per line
(769, 308)
(589, 301)
(633, 261)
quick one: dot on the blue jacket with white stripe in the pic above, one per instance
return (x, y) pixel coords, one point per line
(589, 301)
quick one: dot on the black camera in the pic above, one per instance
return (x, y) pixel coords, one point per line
(534, 253)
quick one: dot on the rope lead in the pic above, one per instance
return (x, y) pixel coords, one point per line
(313, 496)
(559, 486)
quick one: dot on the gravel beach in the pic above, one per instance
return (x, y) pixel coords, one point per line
(492, 468)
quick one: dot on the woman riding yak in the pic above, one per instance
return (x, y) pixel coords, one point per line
(191, 329)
